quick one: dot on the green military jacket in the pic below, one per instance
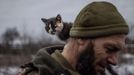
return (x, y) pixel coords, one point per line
(54, 64)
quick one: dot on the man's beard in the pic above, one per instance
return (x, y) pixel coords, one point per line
(85, 65)
(85, 62)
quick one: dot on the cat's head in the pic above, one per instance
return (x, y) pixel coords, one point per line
(51, 23)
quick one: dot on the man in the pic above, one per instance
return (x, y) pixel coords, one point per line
(97, 35)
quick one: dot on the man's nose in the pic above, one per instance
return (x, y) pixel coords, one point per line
(112, 59)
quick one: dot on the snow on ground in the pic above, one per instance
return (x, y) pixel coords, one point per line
(9, 70)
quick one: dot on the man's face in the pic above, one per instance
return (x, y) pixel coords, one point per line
(106, 51)
(99, 54)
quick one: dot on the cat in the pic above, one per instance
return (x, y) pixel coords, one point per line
(55, 26)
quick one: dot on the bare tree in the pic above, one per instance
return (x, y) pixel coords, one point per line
(9, 36)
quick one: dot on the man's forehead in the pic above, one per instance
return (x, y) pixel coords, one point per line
(114, 40)
(113, 37)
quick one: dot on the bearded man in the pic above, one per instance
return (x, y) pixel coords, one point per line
(96, 37)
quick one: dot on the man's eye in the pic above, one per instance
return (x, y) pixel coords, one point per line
(111, 48)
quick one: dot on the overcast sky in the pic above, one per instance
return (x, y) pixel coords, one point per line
(26, 14)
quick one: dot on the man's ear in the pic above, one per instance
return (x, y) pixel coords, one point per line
(58, 18)
(44, 20)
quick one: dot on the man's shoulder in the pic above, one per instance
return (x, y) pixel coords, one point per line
(47, 64)
(45, 54)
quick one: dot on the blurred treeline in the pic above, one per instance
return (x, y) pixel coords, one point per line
(16, 49)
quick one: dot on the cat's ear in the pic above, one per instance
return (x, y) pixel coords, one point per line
(44, 20)
(58, 17)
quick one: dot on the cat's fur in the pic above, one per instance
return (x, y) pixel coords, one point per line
(52, 23)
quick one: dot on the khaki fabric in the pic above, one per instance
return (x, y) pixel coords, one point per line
(54, 64)
(59, 58)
